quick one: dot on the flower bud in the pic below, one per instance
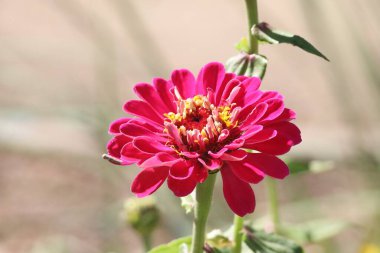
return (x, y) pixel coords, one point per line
(142, 214)
(247, 65)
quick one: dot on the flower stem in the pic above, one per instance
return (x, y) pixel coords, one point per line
(253, 19)
(147, 240)
(238, 235)
(203, 199)
(273, 203)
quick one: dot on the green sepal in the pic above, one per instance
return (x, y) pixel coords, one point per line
(261, 242)
(180, 245)
(252, 65)
(243, 45)
(267, 34)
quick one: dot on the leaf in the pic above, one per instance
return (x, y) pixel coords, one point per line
(180, 245)
(314, 231)
(305, 165)
(267, 34)
(248, 65)
(188, 202)
(243, 45)
(261, 242)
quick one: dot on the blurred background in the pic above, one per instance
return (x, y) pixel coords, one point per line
(68, 66)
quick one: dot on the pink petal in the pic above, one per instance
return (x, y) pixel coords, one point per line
(236, 155)
(131, 154)
(211, 164)
(238, 194)
(255, 115)
(143, 110)
(251, 84)
(210, 76)
(181, 170)
(163, 89)
(219, 92)
(160, 159)
(228, 89)
(115, 145)
(246, 172)
(235, 144)
(264, 135)
(268, 164)
(217, 154)
(149, 145)
(149, 94)
(278, 145)
(182, 188)
(275, 108)
(133, 130)
(289, 130)
(149, 180)
(115, 126)
(184, 81)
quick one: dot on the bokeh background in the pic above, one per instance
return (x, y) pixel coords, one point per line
(67, 66)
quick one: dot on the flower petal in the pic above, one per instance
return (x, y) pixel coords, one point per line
(163, 89)
(115, 126)
(115, 145)
(210, 76)
(160, 159)
(184, 81)
(149, 94)
(246, 172)
(236, 155)
(149, 180)
(143, 110)
(238, 194)
(268, 164)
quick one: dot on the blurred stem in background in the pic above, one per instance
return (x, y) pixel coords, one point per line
(273, 203)
(253, 19)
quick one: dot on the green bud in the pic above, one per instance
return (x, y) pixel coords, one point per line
(245, 64)
(142, 214)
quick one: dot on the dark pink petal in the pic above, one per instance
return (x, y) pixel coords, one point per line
(115, 145)
(181, 188)
(217, 154)
(251, 84)
(190, 155)
(235, 144)
(184, 81)
(253, 130)
(255, 115)
(264, 135)
(286, 115)
(236, 155)
(150, 145)
(228, 89)
(149, 94)
(267, 95)
(131, 154)
(289, 131)
(268, 164)
(211, 76)
(181, 170)
(133, 130)
(160, 159)
(275, 108)
(246, 172)
(210, 164)
(143, 110)
(149, 180)
(115, 126)
(278, 145)
(163, 89)
(218, 93)
(238, 194)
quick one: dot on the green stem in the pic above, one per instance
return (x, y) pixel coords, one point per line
(238, 235)
(147, 240)
(253, 19)
(203, 199)
(273, 203)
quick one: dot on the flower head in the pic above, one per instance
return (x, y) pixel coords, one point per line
(187, 127)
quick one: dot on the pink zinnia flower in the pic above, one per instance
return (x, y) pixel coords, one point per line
(187, 127)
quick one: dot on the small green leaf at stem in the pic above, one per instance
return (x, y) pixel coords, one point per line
(261, 242)
(175, 246)
(267, 34)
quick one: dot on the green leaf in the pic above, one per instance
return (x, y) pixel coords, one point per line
(180, 245)
(247, 65)
(267, 34)
(261, 242)
(188, 202)
(305, 165)
(314, 231)
(243, 45)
